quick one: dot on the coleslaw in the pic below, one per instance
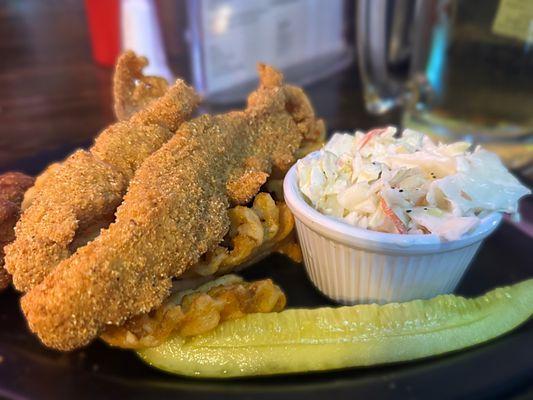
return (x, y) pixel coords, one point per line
(407, 185)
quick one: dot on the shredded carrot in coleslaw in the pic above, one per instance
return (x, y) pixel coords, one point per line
(407, 184)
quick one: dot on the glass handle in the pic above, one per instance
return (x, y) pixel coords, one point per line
(383, 41)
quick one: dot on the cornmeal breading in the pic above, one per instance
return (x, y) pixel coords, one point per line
(132, 90)
(175, 210)
(74, 199)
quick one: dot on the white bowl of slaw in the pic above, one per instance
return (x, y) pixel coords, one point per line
(351, 265)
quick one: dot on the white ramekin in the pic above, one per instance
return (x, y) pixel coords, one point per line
(351, 265)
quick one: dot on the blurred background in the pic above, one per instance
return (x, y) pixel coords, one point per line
(455, 69)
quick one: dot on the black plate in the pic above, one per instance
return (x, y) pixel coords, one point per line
(502, 368)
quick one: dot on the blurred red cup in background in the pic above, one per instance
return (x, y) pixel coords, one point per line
(103, 17)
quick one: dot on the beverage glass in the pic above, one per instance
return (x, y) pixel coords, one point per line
(461, 69)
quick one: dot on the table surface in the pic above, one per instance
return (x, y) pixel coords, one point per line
(53, 98)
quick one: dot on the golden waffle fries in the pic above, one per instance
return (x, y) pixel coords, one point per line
(254, 232)
(195, 312)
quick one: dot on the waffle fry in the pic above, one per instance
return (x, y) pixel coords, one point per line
(255, 231)
(195, 312)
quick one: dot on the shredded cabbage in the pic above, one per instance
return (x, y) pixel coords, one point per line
(407, 184)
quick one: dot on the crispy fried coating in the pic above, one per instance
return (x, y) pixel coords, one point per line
(259, 229)
(176, 209)
(263, 227)
(80, 190)
(39, 183)
(132, 90)
(12, 188)
(74, 199)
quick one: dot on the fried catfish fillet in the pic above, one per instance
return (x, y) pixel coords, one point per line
(175, 210)
(132, 90)
(12, 188)
(258, 229)
(74, 199)
(264, 226)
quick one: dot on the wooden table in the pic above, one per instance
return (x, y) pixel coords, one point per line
(54, 98)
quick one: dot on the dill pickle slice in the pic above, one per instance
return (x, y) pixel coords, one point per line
(302, 340)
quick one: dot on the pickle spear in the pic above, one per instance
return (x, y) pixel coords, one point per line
(301, 340)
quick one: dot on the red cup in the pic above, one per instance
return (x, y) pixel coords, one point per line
(103, 17)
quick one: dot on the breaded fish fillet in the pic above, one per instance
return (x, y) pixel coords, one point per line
(132, 90)
(12, 188)
(176, 209)
(78, 197)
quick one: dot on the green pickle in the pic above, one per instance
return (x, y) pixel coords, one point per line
(304, 340)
